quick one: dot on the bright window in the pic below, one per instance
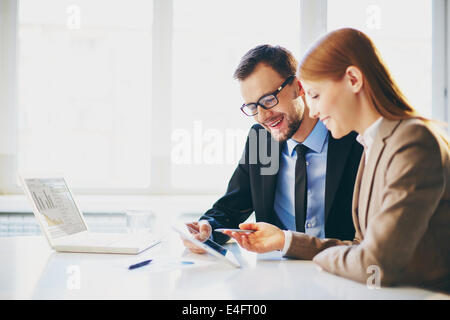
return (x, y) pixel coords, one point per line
(84, 90)
(209, 39)
(85, 75)
(401, 30)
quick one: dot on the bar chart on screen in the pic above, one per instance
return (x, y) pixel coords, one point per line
(55, 205)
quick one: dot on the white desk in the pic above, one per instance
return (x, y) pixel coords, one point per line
(29, 269)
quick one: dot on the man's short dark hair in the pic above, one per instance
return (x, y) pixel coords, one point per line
(279, 58)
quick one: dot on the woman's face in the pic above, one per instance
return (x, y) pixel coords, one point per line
(334, 103)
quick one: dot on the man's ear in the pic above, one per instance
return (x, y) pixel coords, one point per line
(300, 91)
(355, 78)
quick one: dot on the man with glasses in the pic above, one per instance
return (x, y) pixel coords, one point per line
(312, 187)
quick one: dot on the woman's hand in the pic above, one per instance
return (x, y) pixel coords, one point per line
(266, 238)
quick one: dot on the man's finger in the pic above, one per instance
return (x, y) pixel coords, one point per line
(193, 247)
(192, 227)
(197, 250)
(205, 229)
(187, 243)
(205, 232)
(200, 237)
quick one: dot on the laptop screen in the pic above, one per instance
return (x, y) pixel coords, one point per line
(56, 208)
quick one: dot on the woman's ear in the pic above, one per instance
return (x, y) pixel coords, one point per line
(355, 78)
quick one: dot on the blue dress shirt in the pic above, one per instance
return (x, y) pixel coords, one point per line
(316, 169)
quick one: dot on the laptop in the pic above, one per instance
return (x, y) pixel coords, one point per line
(64, 226)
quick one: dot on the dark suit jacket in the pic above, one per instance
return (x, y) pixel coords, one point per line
(249, 190)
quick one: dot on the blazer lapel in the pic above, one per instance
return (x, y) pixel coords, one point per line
(337, 155)
(355, 200)
(385, 130)
(269, 183)
(367, 184)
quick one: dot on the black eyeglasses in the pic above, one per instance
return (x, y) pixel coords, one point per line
(267, 101)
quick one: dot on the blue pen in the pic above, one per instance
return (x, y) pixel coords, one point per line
(140, 264)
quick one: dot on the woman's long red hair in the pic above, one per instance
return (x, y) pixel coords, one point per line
(332, 54)
(336, 51)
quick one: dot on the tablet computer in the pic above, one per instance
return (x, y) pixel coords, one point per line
(208, 245)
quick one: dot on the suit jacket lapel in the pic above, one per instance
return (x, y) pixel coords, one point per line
(355, 200)
(337, 155)
(367, 181)
(385, 130)
(269, 183)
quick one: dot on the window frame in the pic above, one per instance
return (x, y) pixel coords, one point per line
(440, 60)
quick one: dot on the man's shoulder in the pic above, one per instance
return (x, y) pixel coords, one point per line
(347, 146)
(259, 132)
(257, 126)
(347, 139)
(350, 137)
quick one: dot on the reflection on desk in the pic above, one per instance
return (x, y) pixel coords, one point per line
(31, 270)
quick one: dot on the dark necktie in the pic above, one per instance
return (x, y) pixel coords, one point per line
(300, 187)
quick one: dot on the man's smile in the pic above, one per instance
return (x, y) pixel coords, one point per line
(275, 123)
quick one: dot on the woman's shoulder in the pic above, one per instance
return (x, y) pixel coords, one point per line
(418, 132)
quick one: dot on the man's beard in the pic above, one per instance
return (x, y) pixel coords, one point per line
(293, 126)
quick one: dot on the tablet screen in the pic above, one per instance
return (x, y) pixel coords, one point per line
(210, 246)
(216, 247)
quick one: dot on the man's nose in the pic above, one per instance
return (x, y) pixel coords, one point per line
(263, 114)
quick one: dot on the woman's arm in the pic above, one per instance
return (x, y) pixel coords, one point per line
(414, 183)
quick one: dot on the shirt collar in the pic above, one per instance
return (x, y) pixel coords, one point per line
(314, 141)
(367, 138)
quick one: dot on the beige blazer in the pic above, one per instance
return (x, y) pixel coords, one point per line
(401, 213)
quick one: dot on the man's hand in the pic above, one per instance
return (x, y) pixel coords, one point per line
(204, 232)
(267, 237)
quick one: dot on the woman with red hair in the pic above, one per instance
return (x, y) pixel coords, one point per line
(401, 201)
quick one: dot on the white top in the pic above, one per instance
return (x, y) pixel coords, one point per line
(366, 140)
